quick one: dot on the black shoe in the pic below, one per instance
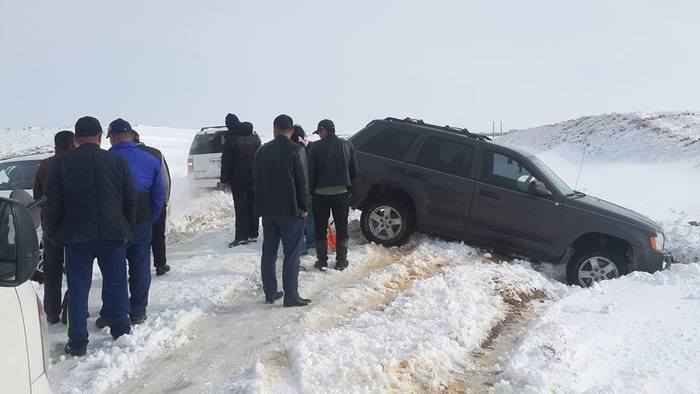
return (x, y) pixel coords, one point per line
(238, 242)
(341, 265)
(137, 319)
(101, 322)
(321, 265)
(253, 239)
(299, 302)
(162, 270)
(274, 298)
(52, 319)
(75, 349)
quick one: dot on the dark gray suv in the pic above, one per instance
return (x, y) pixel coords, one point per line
(449, 182)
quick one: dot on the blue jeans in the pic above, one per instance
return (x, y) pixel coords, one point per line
(111, 258)
(138, 254)
(290, 230)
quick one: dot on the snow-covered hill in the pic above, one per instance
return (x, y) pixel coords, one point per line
(658, 136)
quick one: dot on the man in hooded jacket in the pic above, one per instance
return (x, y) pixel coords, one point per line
(237, 165)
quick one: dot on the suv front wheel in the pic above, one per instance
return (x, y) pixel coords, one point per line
(387, 223)
(586, 268)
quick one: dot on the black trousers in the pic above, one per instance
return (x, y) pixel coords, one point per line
(247, 222)
(323, 206)
(53, 278)
(158, 240)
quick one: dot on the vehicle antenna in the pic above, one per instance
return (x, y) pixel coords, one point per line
(580, 168)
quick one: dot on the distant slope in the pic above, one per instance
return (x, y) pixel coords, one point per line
(661, 136)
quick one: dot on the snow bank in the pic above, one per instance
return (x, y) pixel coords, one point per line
(637, 334)
(660, 136)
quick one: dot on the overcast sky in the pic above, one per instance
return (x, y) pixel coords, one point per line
(465, 63)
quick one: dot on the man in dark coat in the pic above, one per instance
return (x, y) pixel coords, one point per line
(53, 254)
(158, 237)
(309, 242)
(332, 169)
(237, 162)
(283, 200)
(146, 171)
(90, 206)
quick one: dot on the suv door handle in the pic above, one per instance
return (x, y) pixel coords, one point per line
(490, 194)
(418, 175)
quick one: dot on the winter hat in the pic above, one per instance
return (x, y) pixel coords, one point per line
(326, 124)
(232, 122)
(87, 126)
(246, 128)
(119, 126)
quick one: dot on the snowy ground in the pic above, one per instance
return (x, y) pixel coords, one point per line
(431, 316)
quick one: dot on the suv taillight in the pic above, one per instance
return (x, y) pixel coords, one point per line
(190, 165)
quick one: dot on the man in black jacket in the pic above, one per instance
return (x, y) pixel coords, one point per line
(90, 206)
(55, 309)
(332, 169)
(283, 201)
(237, 162)
(158, 235)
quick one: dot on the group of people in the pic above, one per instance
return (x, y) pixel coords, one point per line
(295, 186)
(104, 205)
(110, 205)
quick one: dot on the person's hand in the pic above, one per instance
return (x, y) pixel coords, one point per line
(305, 214)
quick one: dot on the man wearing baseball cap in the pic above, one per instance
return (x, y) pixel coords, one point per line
(332, 169)
(146, 171)
(90, 206)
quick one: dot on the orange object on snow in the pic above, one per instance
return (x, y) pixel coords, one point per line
(331, 237)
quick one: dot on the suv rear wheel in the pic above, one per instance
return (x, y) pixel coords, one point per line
(387, 223)
(586, 268)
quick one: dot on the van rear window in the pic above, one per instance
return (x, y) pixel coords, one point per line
(207, 143)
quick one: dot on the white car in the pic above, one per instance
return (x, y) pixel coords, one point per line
(19, 173)
(204, 161)
(24, 357)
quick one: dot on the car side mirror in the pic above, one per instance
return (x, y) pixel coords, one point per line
(538, 188)
(19, 246)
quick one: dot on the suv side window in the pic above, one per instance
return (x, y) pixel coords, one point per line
(390, 143)
(446, 156)
(504, 171)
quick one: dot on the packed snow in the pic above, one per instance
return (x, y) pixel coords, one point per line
(431, 316)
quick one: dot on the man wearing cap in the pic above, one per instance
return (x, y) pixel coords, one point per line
(146, 171)
(332, 169)
(64, 141)
(282, 199)
(90, 206)
(158, 237)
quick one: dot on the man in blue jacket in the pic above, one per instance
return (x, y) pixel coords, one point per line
(146, 171)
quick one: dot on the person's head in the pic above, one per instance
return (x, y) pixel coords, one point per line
(88, 131)
(64, 141)
(299, 134)
(119, 131)
(283, 126)
(135, 134)
(325, 129)
(232, 122)
(246, 128)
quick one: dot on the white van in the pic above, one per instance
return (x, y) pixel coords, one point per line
(204, 161)
(24, 357)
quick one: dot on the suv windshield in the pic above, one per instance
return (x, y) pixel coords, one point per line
(561, 186)
(207, 143)
(18, 174)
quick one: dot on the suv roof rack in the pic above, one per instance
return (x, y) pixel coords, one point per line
(447, 128)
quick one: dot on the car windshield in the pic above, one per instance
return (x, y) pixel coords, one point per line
(561, 186)
(18, 174)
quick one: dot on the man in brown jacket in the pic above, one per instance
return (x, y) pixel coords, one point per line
(53, 254)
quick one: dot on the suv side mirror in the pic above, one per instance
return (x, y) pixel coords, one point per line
(19, 246)
(538, 188)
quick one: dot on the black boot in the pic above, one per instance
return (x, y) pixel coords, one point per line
(341, 254)
(321, 255)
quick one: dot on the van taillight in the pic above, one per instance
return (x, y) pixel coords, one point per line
(190, 165)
